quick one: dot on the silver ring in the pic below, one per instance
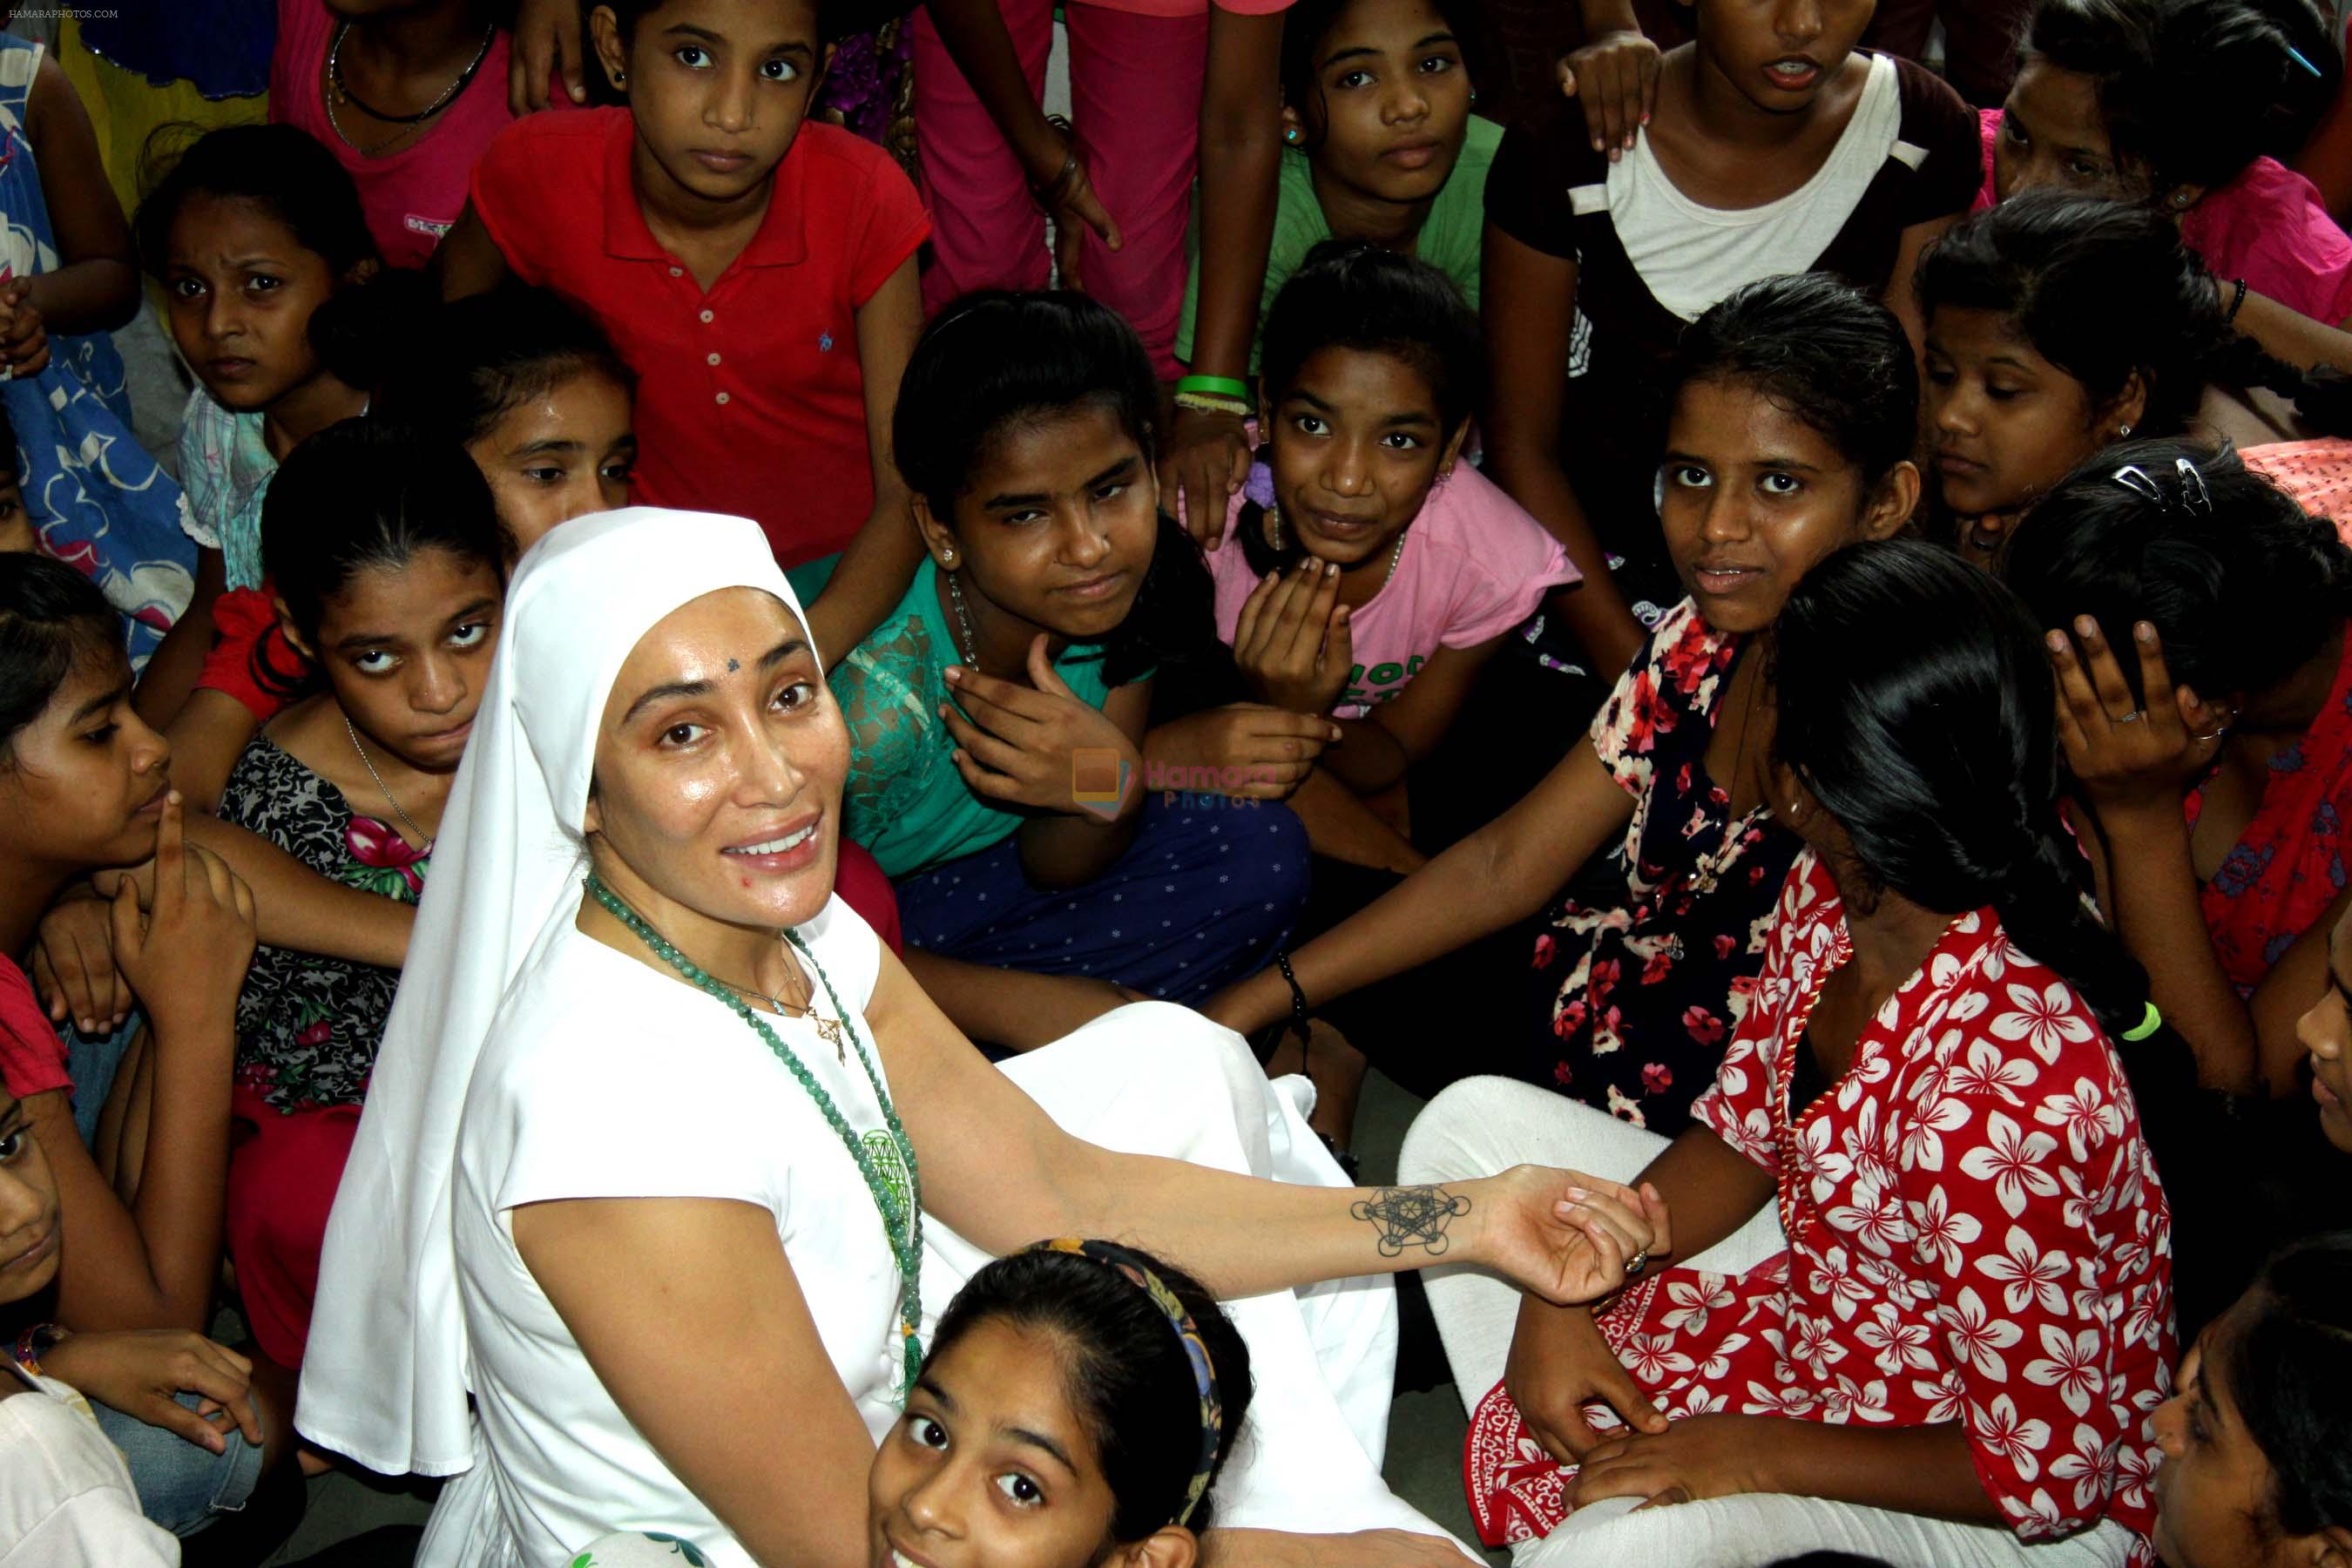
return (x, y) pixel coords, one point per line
(1637, 1263)
(2134, 717)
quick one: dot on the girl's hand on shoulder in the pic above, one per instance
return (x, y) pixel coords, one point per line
(1696, 1457)
(1019, 744)
(1292, 642)
(1564, 1236)
(24, 339)
(143, 1372)
(1614, 79)
(2130, 758)
(1202, 463)
(73, 968)
(187, 955)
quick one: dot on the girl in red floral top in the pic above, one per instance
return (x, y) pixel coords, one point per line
(1922, 1307)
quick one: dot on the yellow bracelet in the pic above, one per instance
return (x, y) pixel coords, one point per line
(1211, 402)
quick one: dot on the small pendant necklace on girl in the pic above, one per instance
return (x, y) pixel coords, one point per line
(1712, 865)
(422, 838)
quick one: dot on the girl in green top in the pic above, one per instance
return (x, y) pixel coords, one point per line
(1379, 145)
(996, 716)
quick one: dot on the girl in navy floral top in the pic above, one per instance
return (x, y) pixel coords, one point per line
(388, 559)
(1791, 434)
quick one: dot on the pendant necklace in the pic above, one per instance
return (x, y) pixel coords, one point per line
(406, 820)
(900, 1204)
(339, 92)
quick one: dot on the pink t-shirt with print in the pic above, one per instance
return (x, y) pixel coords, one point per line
(1474, 566)
(411, 196)
(2267, 225)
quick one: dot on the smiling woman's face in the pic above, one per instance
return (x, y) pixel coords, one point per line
(720, 764)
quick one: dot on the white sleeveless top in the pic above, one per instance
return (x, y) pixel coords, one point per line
(602, 1077)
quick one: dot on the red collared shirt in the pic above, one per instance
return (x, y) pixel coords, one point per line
(751, 400)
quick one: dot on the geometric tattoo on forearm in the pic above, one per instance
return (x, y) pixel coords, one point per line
(1411, 1216)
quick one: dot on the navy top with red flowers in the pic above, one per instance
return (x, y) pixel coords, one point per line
(1638, 994)
(307, 1027)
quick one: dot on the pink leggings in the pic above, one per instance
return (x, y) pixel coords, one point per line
(1135, 89)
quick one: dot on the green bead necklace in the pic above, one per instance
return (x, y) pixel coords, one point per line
(902, 1213)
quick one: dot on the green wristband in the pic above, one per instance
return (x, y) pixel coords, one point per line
(1224, 385)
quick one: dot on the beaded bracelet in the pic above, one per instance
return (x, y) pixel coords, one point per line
(2236, 299)
(1298, 1025)
(1209, 403)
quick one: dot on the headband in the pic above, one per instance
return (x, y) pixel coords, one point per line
(1137, 1269)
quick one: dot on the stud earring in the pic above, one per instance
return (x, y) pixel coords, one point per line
(1290, 134)
(620, 78)
(947, 556)
(2180, 200)
(2121, 431)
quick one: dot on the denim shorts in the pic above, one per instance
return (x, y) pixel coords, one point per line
(182, 1487)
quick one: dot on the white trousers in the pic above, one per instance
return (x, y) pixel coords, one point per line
(1482, 1125)
(1153, 1078)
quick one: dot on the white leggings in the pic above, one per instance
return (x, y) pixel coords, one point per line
(1485, 1124)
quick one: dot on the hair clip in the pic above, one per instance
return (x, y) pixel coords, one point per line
(2137, 480)
(2296, 55)
(2194, 496)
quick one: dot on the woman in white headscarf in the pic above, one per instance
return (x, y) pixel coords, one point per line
(657, 1126)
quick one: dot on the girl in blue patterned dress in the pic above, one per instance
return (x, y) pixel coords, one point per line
(93, 498)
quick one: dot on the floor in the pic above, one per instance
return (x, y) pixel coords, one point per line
(1424, 1459)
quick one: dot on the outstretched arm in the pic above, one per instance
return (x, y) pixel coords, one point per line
(999, 1171)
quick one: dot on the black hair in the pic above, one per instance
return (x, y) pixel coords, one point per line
(2242, 588)
(836, 20)
(1823, 352)
(367, 324)
(1124, 1370)
(2287, 1370)
(1307, 24)
(2191, 90)
(365, 494)
(1917, 705)
(1350, 294)
(995, 360)
(50, 617)
(479, 358)
(2105, 291)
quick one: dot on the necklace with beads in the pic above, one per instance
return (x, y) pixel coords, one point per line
(898, 1203)
(339, 92)
(970, 645)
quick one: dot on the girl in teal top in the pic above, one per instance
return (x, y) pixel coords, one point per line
(1379, 145)
(996, 715)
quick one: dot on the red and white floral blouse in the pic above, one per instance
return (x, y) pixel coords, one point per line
(1975, 1234)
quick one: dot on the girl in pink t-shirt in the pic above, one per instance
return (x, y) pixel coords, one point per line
(406, 95)
(1366, 571)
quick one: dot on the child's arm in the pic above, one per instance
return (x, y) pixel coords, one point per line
(1207, 455)
(152, 1262)
(467, 261)
(95, 286)
(173, 668)
(299, 909)
(1528, 304)
(1073, 846)
(208, 735)
(1504, 872)
(1374, 750)
(976, 40)
(881, 559)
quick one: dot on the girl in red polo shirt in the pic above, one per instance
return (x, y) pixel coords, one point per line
(756, 275)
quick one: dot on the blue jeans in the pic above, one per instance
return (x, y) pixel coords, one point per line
(181, 1485)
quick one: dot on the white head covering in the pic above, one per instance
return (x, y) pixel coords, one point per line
(383, 1377)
